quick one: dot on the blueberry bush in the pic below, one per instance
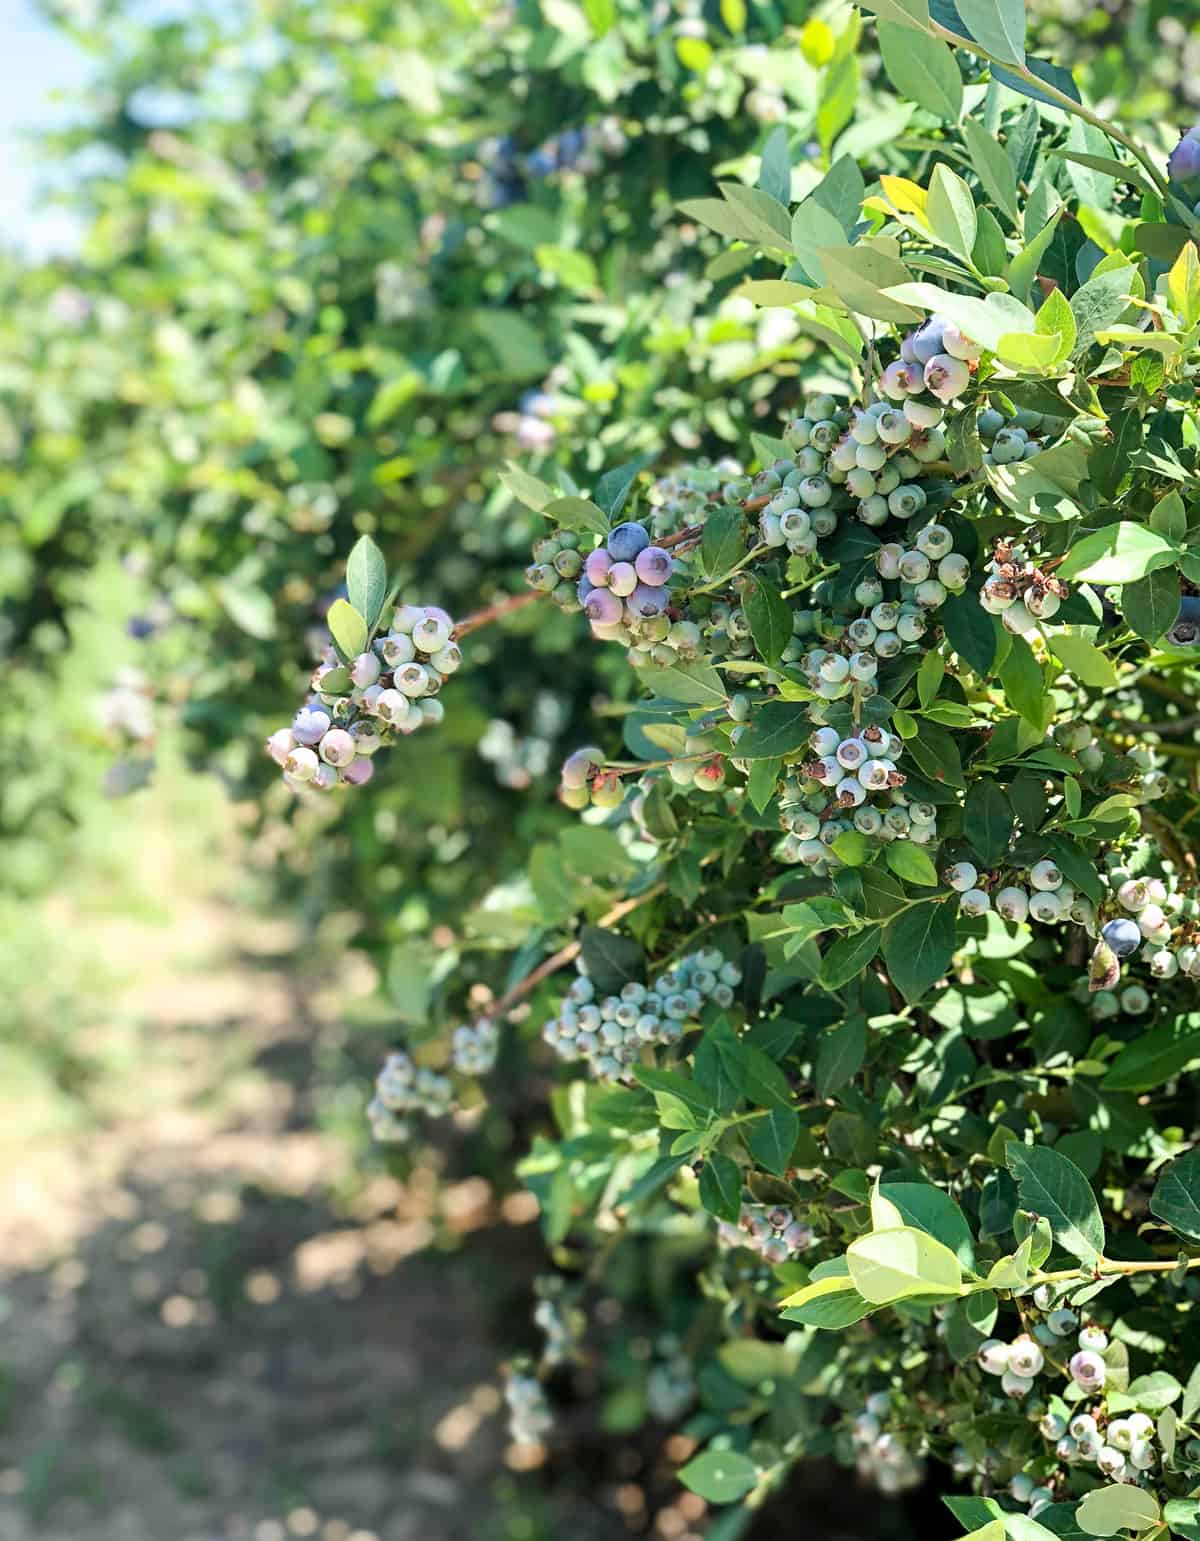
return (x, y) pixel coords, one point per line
(881, 913)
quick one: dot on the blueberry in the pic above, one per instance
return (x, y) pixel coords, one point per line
(1123, 936)
(1184, 162)
(627, 541)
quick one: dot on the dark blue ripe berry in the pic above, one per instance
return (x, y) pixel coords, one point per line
(1185, 629)
(1123, 936)
(627, 541)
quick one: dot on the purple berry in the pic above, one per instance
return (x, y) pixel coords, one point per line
(946, 377)
(927, 340)
(647, 601)
(358, 772)
(597, 568)
(602, 607)
(627, 540)
(310, 725)
(1184, 163)
(654, 566)
(280, 744)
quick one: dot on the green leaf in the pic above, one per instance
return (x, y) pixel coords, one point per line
(992, 166)
(1154, 1058)
(863, 277)
(984, 321)
(772, 1138)
(1176, 1196)
(923, 69)
(721, 1187)
(762, 781)
(613, 488)
(366, 579)
(839, 93)
(829, 1304)
(696, 684)
(847, 957)
(998, 26)
(1021, 676)
(773, 292)
(719, 1476)
(971, 631)
(930, 676)
(951, 210)
(988, 821)
(917, 948)
(612, 960)
(1119, 553)
(724, 541)
(347, 628)
(815, 229)
(900, 1264)
(1022, 270)
(1084, 660)
(929, 1209)
(1055, 318)
(527, 489)
(840, 1054)
(1151, 604)
(777, 728)
(912, 863)
(1106, 1510)
(1168, 517)
(1183, 286)
(249, 607)
(1050, 1185)
(1100, 302)
(775, 173)
(840, 192)
(770, 617)
(579, 514)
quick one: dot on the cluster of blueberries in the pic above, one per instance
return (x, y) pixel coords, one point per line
(584, 782)
(1156, 914)
(832, 793)
(530, 1416)
(774, 1233)
(354, 711)
(882, 1456)
(1018, 591)
(1122, 1448)
(403, 1087)
(509, 170)
(613, 1034)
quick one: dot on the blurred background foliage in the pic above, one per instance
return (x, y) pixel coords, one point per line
(338, 261)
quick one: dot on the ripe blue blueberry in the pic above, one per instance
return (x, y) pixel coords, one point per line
(1123, 936)
(627, 541)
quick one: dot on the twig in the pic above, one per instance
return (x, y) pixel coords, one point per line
(565, 955)
(494, 612)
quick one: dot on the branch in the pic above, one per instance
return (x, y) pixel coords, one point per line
(495, 611)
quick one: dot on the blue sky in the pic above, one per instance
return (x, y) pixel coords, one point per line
(35, 61)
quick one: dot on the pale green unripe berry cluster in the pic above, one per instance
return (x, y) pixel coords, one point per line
(403, 1087)
(614, 1033)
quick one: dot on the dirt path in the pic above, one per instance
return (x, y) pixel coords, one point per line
(216, 1320)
